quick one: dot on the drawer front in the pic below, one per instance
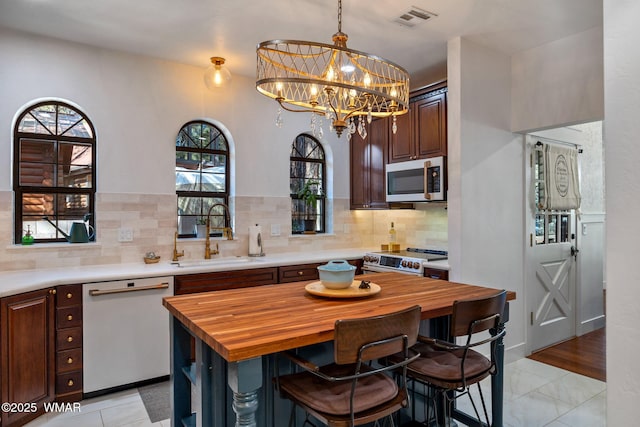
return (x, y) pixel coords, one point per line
(68, 295)
(434, 273)
(69, 360)
(68, 317)
(215, 281)
(69, 382)
(357, 263)
(69, 338)
(295, 273)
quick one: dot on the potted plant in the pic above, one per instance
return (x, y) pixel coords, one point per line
(309, 194)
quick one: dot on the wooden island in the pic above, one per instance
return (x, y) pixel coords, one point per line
(238, 331)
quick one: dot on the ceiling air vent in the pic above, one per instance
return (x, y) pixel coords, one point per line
(414, 16)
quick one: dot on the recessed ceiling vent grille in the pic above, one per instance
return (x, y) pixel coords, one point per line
(414, 16)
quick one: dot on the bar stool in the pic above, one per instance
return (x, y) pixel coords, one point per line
(450, 369)
(354, 390)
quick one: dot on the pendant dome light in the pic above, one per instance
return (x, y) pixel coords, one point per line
(216, 75)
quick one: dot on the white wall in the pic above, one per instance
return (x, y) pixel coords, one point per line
(622, 151)
(138, 104)
(485, 177)
(558, 83)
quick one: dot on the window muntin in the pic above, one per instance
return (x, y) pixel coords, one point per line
(307, 163)
(202, 177)
(54, 162)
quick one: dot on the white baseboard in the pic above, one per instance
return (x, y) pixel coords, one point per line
(591, 325)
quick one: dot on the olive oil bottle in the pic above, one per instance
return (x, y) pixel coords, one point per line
(392, 236)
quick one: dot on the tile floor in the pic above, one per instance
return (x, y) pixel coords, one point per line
(535, 395)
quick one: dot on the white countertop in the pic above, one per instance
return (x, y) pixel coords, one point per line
(18, 281)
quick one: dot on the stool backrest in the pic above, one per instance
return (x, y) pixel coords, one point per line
(478, 314)
(371, 338)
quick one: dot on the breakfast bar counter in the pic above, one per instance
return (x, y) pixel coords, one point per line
(237, 332)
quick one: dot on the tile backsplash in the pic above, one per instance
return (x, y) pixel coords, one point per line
(152, 218)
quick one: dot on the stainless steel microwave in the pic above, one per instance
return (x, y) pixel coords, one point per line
(416, 180)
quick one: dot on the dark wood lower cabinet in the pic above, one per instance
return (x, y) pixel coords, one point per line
(69, 343)
(220, 280)
(435, 273)
(28, 354)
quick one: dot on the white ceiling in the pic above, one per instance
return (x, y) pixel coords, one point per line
(191, 31)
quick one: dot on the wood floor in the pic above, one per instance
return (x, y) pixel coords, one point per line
(583, 355)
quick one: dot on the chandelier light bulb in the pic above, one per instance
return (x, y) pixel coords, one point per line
(366, 80)
(331, 75)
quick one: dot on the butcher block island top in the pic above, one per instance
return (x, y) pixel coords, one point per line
(240, 324)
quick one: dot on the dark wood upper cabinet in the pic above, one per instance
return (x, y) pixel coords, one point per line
(401, 142)
(422, 132)
(430, 126)
(367, 160)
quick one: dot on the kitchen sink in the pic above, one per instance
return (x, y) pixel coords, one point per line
(216, 261)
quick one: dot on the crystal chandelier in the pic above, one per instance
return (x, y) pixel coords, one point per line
(344, 86)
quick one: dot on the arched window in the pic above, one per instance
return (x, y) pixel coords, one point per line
(53, 170)
(202, 178)
(307, 184)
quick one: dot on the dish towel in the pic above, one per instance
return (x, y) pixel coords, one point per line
(561, 178)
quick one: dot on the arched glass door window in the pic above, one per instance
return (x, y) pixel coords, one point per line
(54, 175)
(202, 177)
(307, 184)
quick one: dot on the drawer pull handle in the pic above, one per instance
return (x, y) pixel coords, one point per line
(70, 361)
(69, 338)
(300, 273)
(96, 292)
(69, 295)
(69, 317)
(70, 383)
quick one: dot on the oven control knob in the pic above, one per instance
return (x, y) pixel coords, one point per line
(416, 265)
(366, 259)
(404, 263)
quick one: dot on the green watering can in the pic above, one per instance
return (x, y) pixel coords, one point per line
(78, 232)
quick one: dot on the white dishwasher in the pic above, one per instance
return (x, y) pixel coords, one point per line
(125, 332)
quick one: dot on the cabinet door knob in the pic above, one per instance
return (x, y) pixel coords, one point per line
(70, 317)
(69, 338)
(69, 295)
(52, 291)
(70, 383)
(70, 361)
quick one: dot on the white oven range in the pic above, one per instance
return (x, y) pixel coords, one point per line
(409, 261)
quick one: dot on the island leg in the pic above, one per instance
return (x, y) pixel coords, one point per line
(497, 380)
(180, 380)
(245, 380)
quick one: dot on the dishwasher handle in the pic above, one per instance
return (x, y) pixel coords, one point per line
(97, 292)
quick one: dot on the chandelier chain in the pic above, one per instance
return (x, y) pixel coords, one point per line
(339, 16)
